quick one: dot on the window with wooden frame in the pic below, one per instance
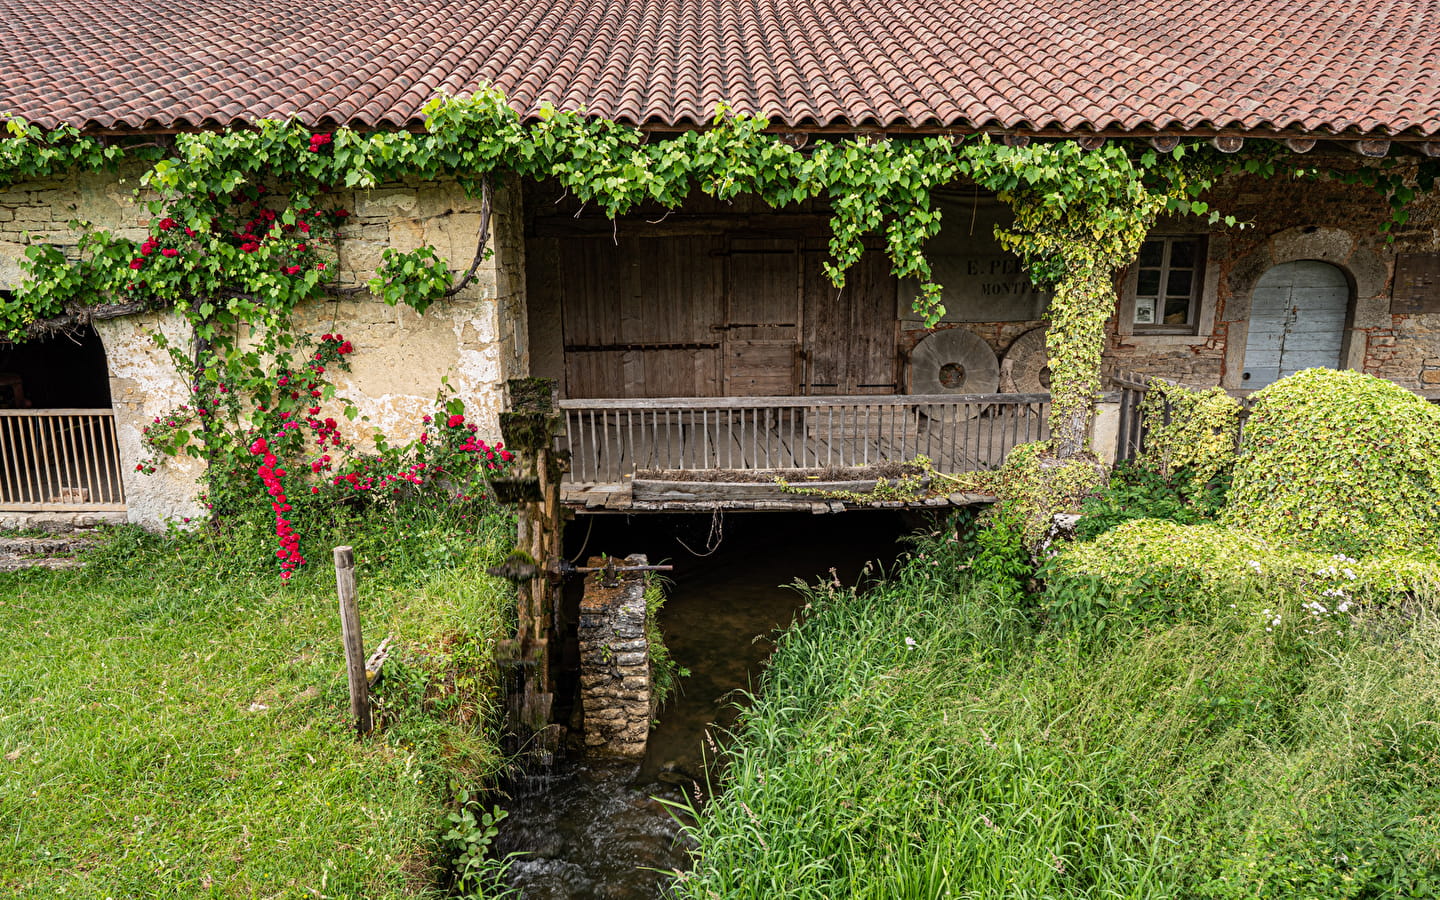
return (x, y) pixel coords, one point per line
(1166, 285)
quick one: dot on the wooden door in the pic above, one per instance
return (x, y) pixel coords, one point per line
(637, 316)
(850, 338)
(762, 323)
(1297, 321)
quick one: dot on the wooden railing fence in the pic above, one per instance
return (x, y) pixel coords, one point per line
(1133, 426)
(610, 439)
(64, 460)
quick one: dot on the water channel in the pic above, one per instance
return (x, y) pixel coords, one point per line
(592, 828)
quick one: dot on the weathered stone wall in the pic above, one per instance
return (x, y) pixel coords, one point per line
(473, 341)
(1284, 220)
(615, 662)
(1289, 220)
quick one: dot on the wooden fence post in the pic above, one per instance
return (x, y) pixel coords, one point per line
(354, 643)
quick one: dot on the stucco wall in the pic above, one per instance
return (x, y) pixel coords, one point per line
(474, 340)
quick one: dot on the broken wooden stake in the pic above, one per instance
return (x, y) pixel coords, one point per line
(354, 643)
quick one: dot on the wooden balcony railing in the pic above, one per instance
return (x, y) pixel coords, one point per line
(609, 439)
(62, 460)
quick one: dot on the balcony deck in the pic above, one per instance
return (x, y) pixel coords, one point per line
(676, 445)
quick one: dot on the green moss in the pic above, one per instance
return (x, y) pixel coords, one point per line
(1340, 461)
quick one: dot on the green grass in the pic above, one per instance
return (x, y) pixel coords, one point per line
(174, 723)
(930, 739)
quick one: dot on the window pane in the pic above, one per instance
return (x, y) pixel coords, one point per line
(1182, 254)
(1148, 283)
(1177, 311)
(1151, 253)
(1179, 282)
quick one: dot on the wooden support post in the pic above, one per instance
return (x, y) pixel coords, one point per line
(354, 642)
(529, 426)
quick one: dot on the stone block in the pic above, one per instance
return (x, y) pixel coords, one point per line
(386, 203)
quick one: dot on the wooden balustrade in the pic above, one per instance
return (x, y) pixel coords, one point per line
(610, 439)
(63, 460)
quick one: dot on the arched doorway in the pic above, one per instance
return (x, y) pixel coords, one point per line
(1297, 321)
(58, 448)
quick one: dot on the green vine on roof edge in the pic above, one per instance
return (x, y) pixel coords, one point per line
(243, 224)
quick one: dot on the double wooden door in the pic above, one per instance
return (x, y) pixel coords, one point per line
(721, 315)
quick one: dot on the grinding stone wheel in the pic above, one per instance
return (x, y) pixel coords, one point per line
(954, 361)
(1025, 369)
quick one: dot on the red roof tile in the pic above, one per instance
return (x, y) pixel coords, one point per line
(1293, 66)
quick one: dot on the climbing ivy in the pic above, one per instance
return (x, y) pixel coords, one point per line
(1191, 431)
(1080, 215)
(1340, 461)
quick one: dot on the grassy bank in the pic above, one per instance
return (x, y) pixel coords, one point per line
(173, 718)
(933, 737)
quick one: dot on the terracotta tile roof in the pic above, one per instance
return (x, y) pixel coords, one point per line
(1296, 66)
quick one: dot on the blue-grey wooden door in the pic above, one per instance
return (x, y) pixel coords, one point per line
(1297, 321)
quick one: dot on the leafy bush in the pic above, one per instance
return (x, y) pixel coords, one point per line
(1150, 570)
(1138, 492)
(993, 544)
(1340, 461)
(1190, 435)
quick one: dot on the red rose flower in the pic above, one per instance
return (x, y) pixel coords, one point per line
(170, 252)
(167, 223)
(455, 421)
(137, 263)
(292, 270)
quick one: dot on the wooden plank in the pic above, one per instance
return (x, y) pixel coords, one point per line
(1416, 288)
(648, 489)
(813, 402)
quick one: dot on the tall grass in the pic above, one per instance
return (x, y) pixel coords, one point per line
(174, 718)
(930, 738)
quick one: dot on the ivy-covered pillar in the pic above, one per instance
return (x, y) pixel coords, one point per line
(1075, 344)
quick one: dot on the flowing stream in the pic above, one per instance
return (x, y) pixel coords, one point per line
(592, 828)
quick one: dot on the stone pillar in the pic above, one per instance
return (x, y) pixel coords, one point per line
(615, 662)
(1105, 431)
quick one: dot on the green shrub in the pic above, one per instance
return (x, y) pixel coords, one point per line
(1149, 570)
(993, 545)
(1340, 461)
(1139, 492)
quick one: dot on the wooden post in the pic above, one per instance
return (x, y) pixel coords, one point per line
(529, 427)
(354, 643)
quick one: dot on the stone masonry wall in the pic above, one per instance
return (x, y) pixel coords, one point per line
(615, 662)
(474, 341)
(1283, 220)
(1289, 220)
